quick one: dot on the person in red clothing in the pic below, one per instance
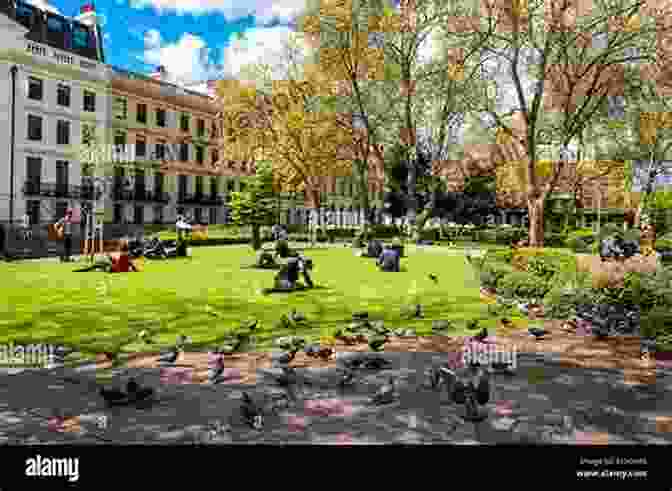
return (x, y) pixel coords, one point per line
(113, 263)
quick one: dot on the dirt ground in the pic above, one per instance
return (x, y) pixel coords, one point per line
(571, 350)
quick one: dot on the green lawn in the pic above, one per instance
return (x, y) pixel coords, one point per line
(206, 296)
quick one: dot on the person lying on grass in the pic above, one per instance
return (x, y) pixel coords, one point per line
(389, 260)
(113, 263)
(287, 278)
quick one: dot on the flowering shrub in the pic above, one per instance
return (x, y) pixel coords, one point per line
(611, 274)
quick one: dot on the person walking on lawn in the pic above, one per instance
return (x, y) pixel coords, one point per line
(66, 224)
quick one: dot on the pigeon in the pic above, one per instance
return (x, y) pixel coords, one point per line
(325, 353)
(415, 312)
(145, 337)
(524, 308)
(434, 278)
(601, 332)
(473, 324)
(287, 377)
(379, 327)
(353, 363)
(170, 357)
(295, 316)
(216, 372)
(441, 325)
(312, 350)
(359, 316)
(347, 378)
(537, 332)
(386, 394)
(481, 336)
(377, 343)
(138, 393)
(285, 358)
(346, 338)
(114, 396)
(251, 412)
(435, 378)
(251, 325)
(375, 363)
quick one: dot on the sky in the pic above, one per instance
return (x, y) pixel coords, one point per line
(196, 40)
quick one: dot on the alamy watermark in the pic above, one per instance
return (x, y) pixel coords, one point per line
(487, 354)
(26, 355)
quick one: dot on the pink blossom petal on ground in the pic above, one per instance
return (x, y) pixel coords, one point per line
(589, 438)
(296, 423)
(504, 408)
(663, 363)
(344, 439)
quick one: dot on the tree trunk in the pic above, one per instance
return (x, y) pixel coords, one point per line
(411, 199)
(535, 210)
(256, 237)
(364, 203)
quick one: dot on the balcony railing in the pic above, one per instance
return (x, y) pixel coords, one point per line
(140, 195)
(57, 190)
(201, 199)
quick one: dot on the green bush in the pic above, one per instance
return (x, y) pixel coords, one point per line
(554, 239)
(522, 284)
(562, 299)
(657, 324)
(581, 240)
(500, 235)
(499, 255)
(664, 244)
(492, 274)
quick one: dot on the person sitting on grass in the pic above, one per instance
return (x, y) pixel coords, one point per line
(288, 276)
(113, 263)
(373, 249)
(266, 260)
(389, 260)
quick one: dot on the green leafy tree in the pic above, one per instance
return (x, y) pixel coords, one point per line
(256, 205)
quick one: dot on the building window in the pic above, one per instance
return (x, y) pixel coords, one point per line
(158, 215)
(35, 89)
(184, 152)
(139, 215)
(199, 155)
(33, 174)
(62, 177)
(118, 213)
(120, 108)
(62, 132)
(63, 95)
(142, 113)
(88, 134)
(161, 118)
(33, 211)
(140, 147)
(200, 128)
(213, 216)
(160, 150)
(89, 102)
(34, 128)
(61, 208)
(184, 122)
(214, 153)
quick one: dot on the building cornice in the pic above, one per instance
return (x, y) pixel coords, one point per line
(154, 91)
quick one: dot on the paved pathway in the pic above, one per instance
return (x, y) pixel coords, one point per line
(544, 402)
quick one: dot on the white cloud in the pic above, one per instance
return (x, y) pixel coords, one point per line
(265, 11)
(259, 45)
(186, 61)
(44, 5)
